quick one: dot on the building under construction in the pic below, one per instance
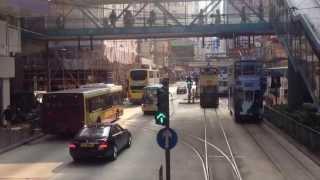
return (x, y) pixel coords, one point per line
(64, 65)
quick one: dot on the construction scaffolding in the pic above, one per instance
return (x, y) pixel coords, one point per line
(70, 67)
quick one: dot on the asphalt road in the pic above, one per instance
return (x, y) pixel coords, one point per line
(233, 151)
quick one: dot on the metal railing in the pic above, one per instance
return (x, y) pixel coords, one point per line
(300, 132)
(161, 21)
(292, 30)
(10, 136)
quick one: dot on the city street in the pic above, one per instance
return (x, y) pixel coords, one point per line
(220, 89)
(233, 151)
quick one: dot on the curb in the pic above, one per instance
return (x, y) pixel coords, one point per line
(18, 144)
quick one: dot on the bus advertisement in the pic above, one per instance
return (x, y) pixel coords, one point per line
(246, 93)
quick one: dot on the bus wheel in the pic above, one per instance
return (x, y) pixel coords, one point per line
(98, 120)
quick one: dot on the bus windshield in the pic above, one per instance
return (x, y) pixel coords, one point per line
(138, 75)
(150, 95)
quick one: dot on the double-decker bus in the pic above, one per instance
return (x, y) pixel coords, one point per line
(67, 111)
(208, 82)
(246, 92)
(137, 80)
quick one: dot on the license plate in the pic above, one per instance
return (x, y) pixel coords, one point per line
(87, 145)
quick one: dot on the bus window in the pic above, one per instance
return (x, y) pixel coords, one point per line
(53, 101)
(138, 75)
(108, 101)
(117, 99)
(96, 103)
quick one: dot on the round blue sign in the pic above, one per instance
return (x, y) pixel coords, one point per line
(167, 138)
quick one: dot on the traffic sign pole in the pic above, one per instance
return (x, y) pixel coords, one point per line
(166, 137)
(168, 170)
(167, 151)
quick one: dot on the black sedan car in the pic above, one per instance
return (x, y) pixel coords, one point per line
(100, 141)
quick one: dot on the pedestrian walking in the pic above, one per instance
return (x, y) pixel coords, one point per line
(8, 116)
(261, 11)
(152, 18)
(2, 123)
(165, 19)
(201, 17)
(243, 15)
(113, 18)
(218, 17)
(128, 19)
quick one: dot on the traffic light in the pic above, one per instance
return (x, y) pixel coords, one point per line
(162, 115)
(161, 118)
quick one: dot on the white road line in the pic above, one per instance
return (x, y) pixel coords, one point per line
(188, 145)
(229, 147)
(198, 154)
(206, 144)
(199, 139)
(216, 156)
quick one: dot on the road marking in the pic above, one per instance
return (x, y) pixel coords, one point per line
(229, 147)
(217, 156)
(167, 135)
(205, 144)
(28, 170)
(198, 154)
(189, 134)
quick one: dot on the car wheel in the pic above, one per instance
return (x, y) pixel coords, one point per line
(129, 142)
(114, 153)
(76, 159)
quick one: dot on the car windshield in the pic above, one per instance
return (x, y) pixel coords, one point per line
(94, 132)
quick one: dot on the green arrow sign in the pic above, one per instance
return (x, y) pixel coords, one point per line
(161, 118)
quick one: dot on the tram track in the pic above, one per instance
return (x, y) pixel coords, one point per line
(228, 144)
(193, 141)
(184, 142)
(272, 159)
(227, 154)
(187, 135)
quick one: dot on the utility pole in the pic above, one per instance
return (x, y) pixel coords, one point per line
(165, 83)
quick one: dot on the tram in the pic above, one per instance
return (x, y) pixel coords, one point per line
(246, 91)
(208, 82)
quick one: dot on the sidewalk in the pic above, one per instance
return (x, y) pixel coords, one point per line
(15, 136)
